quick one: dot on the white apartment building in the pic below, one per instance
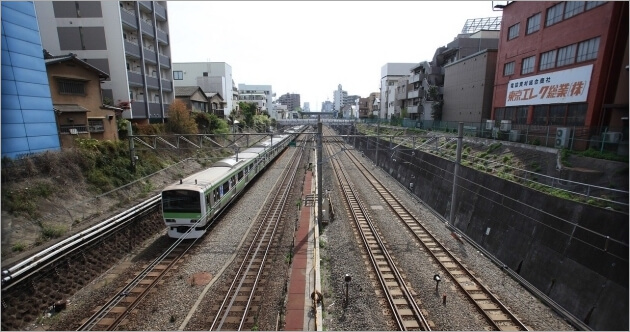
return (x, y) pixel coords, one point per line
(212, 77)
(128, 40)
(390, 75)
(339, 97)
(260, 94)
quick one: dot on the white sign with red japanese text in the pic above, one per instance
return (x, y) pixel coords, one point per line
(560, 87)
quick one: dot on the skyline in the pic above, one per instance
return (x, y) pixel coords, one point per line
(307, 59)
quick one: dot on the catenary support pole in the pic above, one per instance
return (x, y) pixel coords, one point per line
(460, 134)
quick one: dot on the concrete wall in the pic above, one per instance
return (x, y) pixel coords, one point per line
(575, 253)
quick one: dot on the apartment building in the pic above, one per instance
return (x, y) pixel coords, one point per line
(327, 106)
(339, 97)
(28, 119)
(128, 40)
(292, 100)
(390, 75)
(211, 77)
(564, 65)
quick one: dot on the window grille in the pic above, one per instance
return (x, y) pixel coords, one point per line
(71, 87)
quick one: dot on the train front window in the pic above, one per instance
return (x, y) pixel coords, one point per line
(181, 201)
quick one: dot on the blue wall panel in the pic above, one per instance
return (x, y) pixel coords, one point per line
(43, 142)
(37, 116)
(33, 90)
(13, 130)
(28, 119)
(11, 116)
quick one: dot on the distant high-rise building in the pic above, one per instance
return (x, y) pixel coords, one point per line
(327, 106)
(292, 100)
(307, 106)
(339, 98)
(28, 118)
(128, 40)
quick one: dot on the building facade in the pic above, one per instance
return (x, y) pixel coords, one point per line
(390, 75)
(212, 77)
(292, 100)
(468, 87)
(28, 119)
(262, 95)
(128, 40)
(564, 65)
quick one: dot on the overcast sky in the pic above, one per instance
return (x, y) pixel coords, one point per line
(309, 47)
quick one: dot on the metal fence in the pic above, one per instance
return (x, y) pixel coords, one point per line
(573, 138)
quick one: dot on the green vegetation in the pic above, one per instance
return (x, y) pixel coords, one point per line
(53, 231)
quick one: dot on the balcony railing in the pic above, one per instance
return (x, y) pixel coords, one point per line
(414, 78)
(413, 94)
(147, 28)
(128, 18)
(155, 110)
(167, 85)
(132, 49)
(152, 82)
(160, 11)
(162, 37)
(135, 78)
(150, 56)
(145, 5)
(165, 61)
(412, 109)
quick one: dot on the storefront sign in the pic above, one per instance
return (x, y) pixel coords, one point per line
(560, 87)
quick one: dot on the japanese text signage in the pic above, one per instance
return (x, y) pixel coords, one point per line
(560, 87)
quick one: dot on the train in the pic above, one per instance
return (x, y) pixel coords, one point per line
(190, 204)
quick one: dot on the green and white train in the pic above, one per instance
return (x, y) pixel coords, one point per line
(193, 202)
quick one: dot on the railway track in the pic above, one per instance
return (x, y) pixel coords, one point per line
(495, 312)
(400, 298)
(242, 297)
(113, 313)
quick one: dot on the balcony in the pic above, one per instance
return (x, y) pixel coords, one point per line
(414, 78)
(138, 110)
(128, 18)
(413, 94)
(135, 78)
(412, 109)
(132, 49)
(152, 82)
(160, 11)
(162, 37)
(165, 61)
(150, 56)
(147, 28)
(167, 85)
(145, 6)
(155, 110)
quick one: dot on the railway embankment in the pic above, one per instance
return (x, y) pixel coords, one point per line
(573, 253)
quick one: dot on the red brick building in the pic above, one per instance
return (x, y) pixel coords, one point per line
(564, 64)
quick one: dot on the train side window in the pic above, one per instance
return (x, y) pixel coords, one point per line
(240, 175)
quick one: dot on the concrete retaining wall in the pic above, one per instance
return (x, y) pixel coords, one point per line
(574, 253)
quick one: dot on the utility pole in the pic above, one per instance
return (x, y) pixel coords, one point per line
(320, 165)
(460, 134)
(132, 150)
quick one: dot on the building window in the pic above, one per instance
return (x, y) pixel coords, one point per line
(587, 50)
(71, 87)
(548, 60)
(576, 114)
(513, 31)
(592, 4)
(508, 69)
(528, 65)
(566, 55)
(205, 74)
(95, 125)
(178, 75)
(533, 24)
(573, 8)
(554, 14)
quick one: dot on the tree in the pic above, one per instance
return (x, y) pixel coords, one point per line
(209, 123)
(180, 120)
(438, 103)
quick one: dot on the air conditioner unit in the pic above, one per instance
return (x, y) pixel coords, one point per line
(612, 137)
(73, 131)
(506, 125)
(562, 137)
(489, 124)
